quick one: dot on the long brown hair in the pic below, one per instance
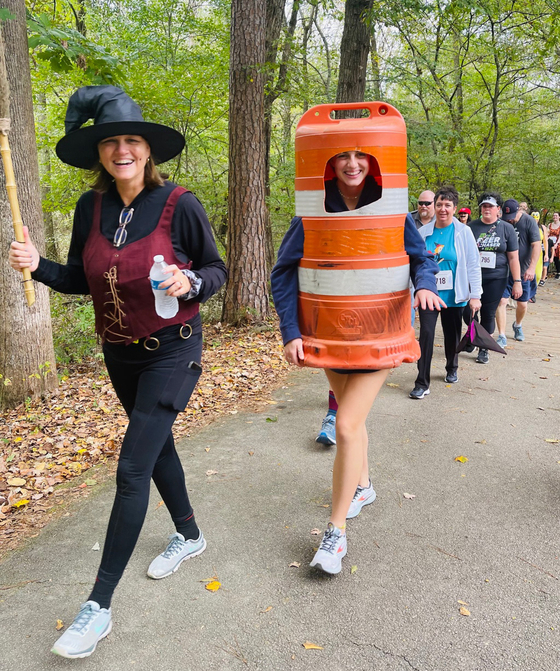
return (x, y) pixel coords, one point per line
(103, 180)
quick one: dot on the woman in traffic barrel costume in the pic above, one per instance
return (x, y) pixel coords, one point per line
(340, 284)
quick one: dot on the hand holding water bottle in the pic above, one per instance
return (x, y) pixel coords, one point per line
(168, 282)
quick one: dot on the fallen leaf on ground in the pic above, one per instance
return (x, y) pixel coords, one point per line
(464, 611)
(251, 453)
(311, 646)
(392, 384)
(209, 473)
(213, 586)
(96, 547)
(462, 459)
(463, 603)
(295, 564)
(551, 440)
(207, 449)
(315, 532)
(59, 625)
(406, 495)
(91, 482)
(21, 502)
(481, 442)
(353, 569)
(267, 609)
(272, 419)
(15, 482)
(159, 504)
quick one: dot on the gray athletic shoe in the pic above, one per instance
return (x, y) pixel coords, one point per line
(363, 497)
(92, 624)
(331, 551)
(175, 554)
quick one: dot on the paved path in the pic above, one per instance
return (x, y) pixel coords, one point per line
(484, 533)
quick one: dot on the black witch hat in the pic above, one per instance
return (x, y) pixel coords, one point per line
(114, 113)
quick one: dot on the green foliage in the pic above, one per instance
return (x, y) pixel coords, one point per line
(65, 48)
(73, 328)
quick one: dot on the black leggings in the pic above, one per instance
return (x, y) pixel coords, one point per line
(153, 386)
(451, 325)
(492, 292)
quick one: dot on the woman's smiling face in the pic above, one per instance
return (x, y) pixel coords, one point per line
(124, 157)
(351, 167)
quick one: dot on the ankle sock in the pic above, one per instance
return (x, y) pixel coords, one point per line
(333, 405)
(188, 528)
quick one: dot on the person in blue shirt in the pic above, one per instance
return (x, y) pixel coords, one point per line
(355, 391)
(459, 279)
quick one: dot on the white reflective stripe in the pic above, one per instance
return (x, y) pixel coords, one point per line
(363, 282)
(312, 204)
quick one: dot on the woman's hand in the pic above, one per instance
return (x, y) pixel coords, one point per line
(293, 351)
(427, 300)
(475, 305)
(24, 254)
(178, 284)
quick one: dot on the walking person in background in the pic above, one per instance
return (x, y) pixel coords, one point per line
(529, 240)
(425, 213)
(459, 282)
(554, 245)
(498, 248)
(464, 215)
(131, 215)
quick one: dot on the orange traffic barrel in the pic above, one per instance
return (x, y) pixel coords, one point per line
(354, 298)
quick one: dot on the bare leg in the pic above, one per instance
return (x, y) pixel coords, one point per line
(520, 312)
(501, 316)
(355, 395)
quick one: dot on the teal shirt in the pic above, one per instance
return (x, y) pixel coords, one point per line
(442, 245)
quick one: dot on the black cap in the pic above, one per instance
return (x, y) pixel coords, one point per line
(510, 209)
(114, 113)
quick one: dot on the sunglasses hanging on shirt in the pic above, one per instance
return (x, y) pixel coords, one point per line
(124, 218)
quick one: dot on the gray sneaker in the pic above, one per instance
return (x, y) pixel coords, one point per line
(92, 624)
(363, 497)
(331, 551)
(175, 554)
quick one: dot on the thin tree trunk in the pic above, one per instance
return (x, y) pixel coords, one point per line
(375, 68)
(247, 286)
(354, 51)
(27, 362)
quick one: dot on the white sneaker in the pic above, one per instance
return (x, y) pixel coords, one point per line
(91, 624)
(333, 548)
(363, 497)
(175, 554)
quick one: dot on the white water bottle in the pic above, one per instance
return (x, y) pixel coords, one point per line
(166, 306)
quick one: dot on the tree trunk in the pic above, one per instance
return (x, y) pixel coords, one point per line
(375, 68)
(247, 286)
(354, 51)
(27, 363)
(45, 166)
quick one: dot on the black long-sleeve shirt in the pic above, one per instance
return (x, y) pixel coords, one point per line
(191, 237)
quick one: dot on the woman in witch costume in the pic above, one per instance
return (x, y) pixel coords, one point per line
(130, 216)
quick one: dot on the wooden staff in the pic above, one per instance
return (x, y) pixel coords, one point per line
(9, 169)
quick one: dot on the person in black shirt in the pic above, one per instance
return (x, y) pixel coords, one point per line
(131, 215)
(497, 245)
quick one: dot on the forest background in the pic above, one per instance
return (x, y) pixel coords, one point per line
(477, 81)
(478, 84)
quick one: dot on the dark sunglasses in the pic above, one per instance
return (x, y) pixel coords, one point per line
(425, 202)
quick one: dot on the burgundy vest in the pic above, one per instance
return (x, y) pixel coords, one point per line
(119, 278)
